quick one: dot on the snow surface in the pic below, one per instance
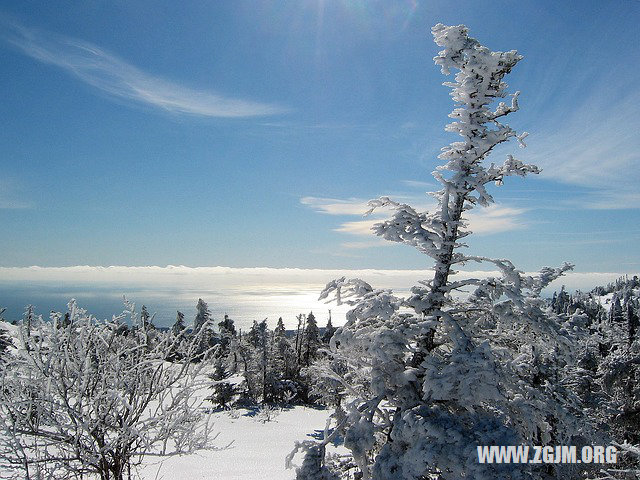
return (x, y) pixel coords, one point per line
(258, 449)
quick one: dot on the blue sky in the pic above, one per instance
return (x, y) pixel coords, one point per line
(250, 134)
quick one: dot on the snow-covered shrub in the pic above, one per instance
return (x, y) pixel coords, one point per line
(79, 397)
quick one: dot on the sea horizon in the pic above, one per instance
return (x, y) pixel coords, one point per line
(245, 294)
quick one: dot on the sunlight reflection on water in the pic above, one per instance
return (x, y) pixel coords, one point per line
(246, 294)
(244, 306)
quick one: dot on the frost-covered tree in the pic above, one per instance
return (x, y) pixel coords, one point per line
(203, 315)
(5, 339)
(310, 340)
(253, 350)
(223, 391)
(146, 319)
(29, 317)
(227, 331)
(285, 380)
(81, 399)
(283, 353)
(203, 326)
(329, 330)
(299, 339)
(430, 377)
(179, 325)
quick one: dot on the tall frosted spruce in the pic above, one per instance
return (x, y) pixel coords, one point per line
(430, 377)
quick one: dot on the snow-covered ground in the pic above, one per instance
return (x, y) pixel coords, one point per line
(258, 450)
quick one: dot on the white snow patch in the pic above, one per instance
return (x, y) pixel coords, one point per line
(258, 449)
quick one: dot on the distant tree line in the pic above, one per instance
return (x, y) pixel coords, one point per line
(261, 365)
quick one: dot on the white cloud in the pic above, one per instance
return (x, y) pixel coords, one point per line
(418, 184)
(333, 206)
(358, 227)
(495, 219)
(482, 221)
(112, 75)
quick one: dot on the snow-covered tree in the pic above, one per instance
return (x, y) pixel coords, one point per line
(203, 326)
(329, 330)
(223, 391)
(146, 319)
(81, 399)
(299, 339)
(283, 354)
(179, 325)
(310, 341)
(203, 315)
(5, 338)
(430, 377)
(227, 331)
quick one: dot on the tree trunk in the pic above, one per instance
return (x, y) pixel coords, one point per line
(440, 280)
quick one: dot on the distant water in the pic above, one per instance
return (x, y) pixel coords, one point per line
(105, 301)
(245, 294)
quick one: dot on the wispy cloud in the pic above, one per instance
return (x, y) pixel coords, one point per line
(495, 219)
(334, 206)
(114, 76)
(358, 227)
(418, 184)
(594, 144)
(482, 221)
(608, 200)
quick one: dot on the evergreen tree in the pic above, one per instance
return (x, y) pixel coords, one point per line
(223, 391)
(179, 326)
(29, 318)
(299, 337)
(177, 332)
(280, 331)
(146, 319)
(227, 331)
(632, 308)
(284, 366)
(203, 315)
(561, 301)
(227, 326)
(329, 330)
(284, 358)
(255, 347)
(311, 340)
(615, 313)
(203, 323)
(313, 467)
